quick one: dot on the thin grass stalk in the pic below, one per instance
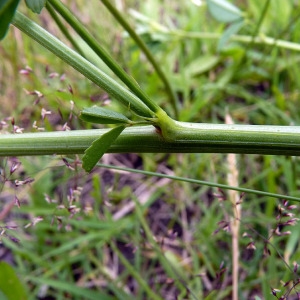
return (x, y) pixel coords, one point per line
(259, 23)
(201, 182)
(170, 270)
(63, 28)
(148, 54)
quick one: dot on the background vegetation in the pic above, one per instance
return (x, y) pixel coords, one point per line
(117, 234)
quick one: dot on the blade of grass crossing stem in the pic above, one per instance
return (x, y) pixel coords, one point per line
(99, 147)
(102, 53)
(135, 274)
(255, 32)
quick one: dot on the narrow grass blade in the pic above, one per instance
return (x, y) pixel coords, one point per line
(173, 273)
(140, 43)
(133, 272)
(73, 289)
(99, 147)
(229, 32)
(207, 183)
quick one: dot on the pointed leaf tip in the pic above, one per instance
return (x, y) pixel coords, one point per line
(224, 11)
(36, 5)
(99, 147)
(232, 29)
(100, 115)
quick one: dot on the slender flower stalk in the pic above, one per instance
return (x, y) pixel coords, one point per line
(201, 182)
(146, 51)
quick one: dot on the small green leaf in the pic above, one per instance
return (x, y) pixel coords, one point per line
(229, 32)
(102, 115)
(224, 11)
(7, 12)
(201, 65)
(99, 147)
(10, 284)
(36, 5)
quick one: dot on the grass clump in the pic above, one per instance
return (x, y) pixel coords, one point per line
(116, 234)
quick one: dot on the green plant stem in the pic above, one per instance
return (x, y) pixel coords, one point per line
(190, 138)
(254, 34)
(261, 39)
(81, 64)
(169, 268)
(148, 54)
(284, 140)
(261, 18)
(150, 293)
(63, 28)
(102, 53)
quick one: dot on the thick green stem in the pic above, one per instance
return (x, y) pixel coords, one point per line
(265, 139)
(102, 53)
(189, 138)
(146, 51)
(81, 64)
